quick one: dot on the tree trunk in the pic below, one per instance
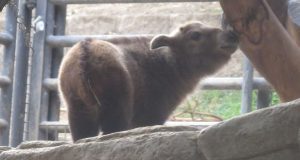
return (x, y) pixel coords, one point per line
(266, 43)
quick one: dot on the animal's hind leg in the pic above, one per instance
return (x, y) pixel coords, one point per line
(83, 120)
(116, 114)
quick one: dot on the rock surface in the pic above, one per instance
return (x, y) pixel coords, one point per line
(273, 133)
(269, 134)
(129, 145)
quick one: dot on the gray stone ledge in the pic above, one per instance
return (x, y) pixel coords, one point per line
(268, 134)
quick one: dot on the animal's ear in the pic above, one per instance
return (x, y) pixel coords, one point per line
(160, 41)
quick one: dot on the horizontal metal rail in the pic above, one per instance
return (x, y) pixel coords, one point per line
(207, 84)
(60, 127)
(63, 127)
(68, 41)
(59, 2)
(233, 83)
(6, 38)
(3, 124)
(50, 84)
(4, 81)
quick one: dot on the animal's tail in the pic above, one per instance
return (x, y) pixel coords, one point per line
(86, 69)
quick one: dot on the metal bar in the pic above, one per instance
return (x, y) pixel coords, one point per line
(36, 76)
(7, 74)
(45, 101)
(247, 87)
(59, 2)
(263, 98)
(207, 84)
(232, 84)
(5, 81)
(6, 38)
(3, 124)
(57, 55)
(50, 84)
(52, 126)
(68, 41)
(20, 74)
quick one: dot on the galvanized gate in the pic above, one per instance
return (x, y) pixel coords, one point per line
(37, 59)
(8, 39)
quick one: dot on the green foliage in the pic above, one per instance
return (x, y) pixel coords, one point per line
(223, 104)
(275, 99)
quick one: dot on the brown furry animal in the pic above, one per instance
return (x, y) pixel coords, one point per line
(132, 82)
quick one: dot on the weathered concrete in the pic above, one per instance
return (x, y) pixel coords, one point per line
(269, 134)
(158, 145)
(272, 132)
(4, 148)
(40, 144)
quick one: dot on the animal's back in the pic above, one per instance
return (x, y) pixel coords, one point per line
(122, 84)
(85, 61)
(94, 82)
(154, 80)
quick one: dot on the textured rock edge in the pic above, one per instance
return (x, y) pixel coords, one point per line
(271, 133)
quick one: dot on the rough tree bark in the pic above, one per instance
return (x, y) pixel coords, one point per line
(2, 4)
(266, 42)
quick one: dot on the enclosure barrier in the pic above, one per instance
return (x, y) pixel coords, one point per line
(207, 84)
(220, 83)
(7, 38)
(22, 50)
(47, 46)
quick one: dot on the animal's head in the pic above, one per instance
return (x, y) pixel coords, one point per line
(199, 44)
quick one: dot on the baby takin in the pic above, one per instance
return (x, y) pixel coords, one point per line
(129, 82)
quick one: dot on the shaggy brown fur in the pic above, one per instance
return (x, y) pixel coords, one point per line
(132, 82)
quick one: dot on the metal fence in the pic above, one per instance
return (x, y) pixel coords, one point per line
(46, 47)
(8, 39)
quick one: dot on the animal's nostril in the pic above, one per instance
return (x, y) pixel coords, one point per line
(232, 36)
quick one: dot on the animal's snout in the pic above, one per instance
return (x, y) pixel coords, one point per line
(232, 37)
(229, 41)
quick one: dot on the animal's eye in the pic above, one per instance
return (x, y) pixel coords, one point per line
(196, 36)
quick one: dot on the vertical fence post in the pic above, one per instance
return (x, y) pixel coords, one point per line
(247, 86)
(263, 98)
(36, 76)
(57, 55)
(45, 101)
(8, 67)
(20, 73)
